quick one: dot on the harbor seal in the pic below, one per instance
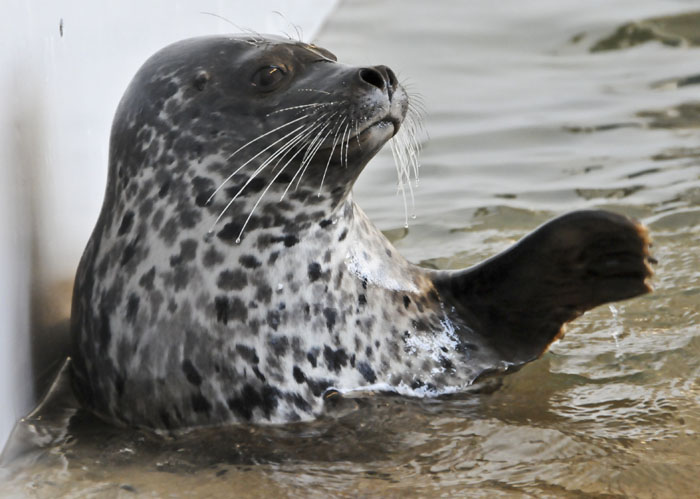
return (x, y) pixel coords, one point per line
(231, 278)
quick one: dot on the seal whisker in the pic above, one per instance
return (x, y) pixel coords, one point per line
(314, 146)
(346, 141)
(405, 148)
(302, 106)
(257, 202)
(260, 39)
(314, 90)
(225, 181)
(281, 151)
(413, 145)
(316, 139)
(335, 143)
(299, 31)
(267, 133)
(398, 162)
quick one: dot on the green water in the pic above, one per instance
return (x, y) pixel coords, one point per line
(534, 109)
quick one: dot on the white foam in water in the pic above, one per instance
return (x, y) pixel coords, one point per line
(617, 329)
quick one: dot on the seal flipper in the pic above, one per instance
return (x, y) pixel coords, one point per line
(518, 301)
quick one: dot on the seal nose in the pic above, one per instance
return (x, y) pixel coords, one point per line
(379, 76)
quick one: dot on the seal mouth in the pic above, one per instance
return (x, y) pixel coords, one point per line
(381, 123)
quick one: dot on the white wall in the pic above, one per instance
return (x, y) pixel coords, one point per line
(59, 88)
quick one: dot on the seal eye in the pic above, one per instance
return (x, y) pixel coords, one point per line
(268, 77)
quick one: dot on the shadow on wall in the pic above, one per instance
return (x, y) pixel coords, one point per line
(49, 308)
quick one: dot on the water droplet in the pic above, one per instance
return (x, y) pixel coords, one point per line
(238, 240)
(414, 216)
(208, 236)
(405, 226)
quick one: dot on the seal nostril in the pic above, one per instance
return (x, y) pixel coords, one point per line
(393, 82)
(373, 77)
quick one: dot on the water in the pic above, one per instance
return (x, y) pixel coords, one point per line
(535, 108)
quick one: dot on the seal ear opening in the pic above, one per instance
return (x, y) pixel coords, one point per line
(519, 301)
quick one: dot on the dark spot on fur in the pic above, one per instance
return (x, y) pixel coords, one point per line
(212, 257)
(188, 250)
(446, 363)
(170, 230)
(256, 184)
(127, 223)
(314, 271)
(278, 344)
(318, 386)
(388, 252)
(146, 280)
(199, 403)
(249, 261)
(164, 188)
(230, 308)
(299, 376)
(325, 223)
(248, 354)
(249, 399)
(273, 257)
(289, 240)
(264, 293)
(311, 356)
(417, 384)
(105, 332)
(132, 307)
(273, 319)
(352, 360)
(231, 231)
(191, 372)
(300, 403)
(119, 384)
(335, 359)
(406, 301)
(330, 314)
(367, 372)
(258, 374)
(129, 251)
(232, 279)
(202, 198)
(181, 278)
(343, 235)
(362, 299)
